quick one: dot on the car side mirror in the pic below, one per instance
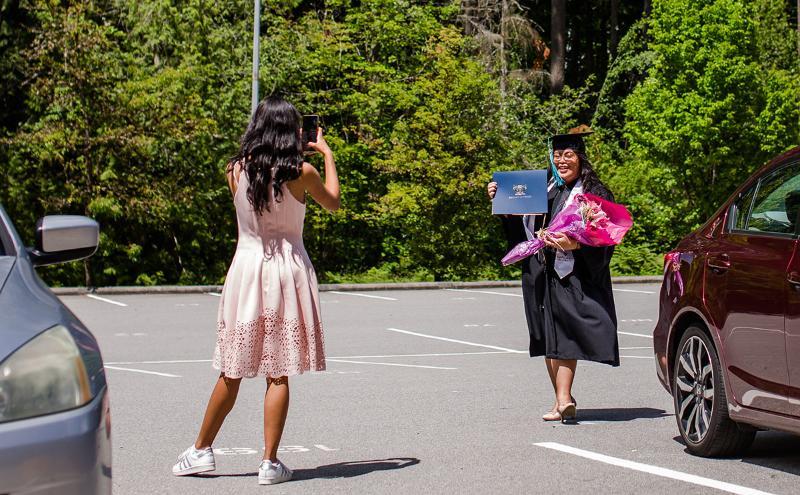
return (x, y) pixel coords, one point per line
(62, 238)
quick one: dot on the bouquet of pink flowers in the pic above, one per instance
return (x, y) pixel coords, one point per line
(590, 220)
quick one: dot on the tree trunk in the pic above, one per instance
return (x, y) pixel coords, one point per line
(468, 12)
(648, 6)
(798, 27)
(614, 27)
(87, 274)
(558, 28)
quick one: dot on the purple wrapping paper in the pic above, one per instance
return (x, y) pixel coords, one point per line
(589, 219)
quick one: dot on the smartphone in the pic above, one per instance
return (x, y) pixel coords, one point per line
(310, 126)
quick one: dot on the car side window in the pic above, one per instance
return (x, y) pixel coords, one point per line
(741, 210)
(776, 206)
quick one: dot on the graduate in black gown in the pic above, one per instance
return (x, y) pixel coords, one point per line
(569, 305)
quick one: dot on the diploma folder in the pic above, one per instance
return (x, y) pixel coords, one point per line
(522, 192)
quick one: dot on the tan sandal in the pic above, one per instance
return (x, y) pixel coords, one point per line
(568, 413)
(553, 415)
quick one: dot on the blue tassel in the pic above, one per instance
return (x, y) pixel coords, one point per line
(557, 178)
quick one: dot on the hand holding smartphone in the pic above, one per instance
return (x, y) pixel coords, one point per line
(310, 126)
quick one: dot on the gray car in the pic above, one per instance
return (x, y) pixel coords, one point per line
(55, 430)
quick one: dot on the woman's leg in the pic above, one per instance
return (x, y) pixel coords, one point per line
(551, 371)
(219, 405)
(276, 407)
(565, 375)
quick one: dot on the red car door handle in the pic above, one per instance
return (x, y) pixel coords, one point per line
(794, 279)
(719, 263)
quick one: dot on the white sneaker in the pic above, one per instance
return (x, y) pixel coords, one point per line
(272, 473)
(194, 461)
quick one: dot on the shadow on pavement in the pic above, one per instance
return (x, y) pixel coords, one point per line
(771, 449)
(621, 414)
(354, 468)
(339, 470)
(775, 450)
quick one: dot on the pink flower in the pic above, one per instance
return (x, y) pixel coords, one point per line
(589, 219)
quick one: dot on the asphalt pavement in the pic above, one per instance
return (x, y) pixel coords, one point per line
(427, 391)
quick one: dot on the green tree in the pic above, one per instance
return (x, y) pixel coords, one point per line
(716, 104)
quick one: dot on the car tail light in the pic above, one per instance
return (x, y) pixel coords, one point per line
(44, 376)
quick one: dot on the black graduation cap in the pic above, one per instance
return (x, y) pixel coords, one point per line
(573, 139)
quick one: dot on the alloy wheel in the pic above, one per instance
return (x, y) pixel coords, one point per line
(695, 389)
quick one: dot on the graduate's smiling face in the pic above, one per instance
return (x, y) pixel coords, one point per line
(568, 164)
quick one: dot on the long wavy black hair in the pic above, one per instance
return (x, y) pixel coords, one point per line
(591, 182)
(271, 150)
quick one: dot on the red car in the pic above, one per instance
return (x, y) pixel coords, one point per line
(727, 341)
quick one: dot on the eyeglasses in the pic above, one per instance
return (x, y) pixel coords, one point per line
(568, 154)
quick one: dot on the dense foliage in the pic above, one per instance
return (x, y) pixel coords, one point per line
(129, 111)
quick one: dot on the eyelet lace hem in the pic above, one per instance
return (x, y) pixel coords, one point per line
(270, 346)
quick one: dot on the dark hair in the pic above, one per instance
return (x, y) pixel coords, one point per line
(270, 150)
(591, 182)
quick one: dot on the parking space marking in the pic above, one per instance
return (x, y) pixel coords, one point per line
(324, 448)
(433, 354)
(283, 449)
(632, 348)
(638, 320)
(390, 364)
(638, 357)
(174, 361)
(168, 375)
(634, 291)
(655, 470)
(109, 301)
(373, 356)
(486, 292)
(215, 294)
(635, 334)
(435, 337)
(358, 294)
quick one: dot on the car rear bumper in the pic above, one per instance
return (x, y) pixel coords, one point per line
(64, 453)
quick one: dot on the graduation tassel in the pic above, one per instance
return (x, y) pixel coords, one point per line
(556, 178)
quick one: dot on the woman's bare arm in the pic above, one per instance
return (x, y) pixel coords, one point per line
(327, 194)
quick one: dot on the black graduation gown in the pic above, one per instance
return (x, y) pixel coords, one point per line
(573, 318)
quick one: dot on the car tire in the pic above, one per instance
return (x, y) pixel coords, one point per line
(701, 405)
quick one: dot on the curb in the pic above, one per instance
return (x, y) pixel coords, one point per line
(201, 289)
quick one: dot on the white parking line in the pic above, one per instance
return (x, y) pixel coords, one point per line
(439, 354)
(390, 364)
(634, 291)
(109, 301)
(357, 294)
(456, 341)
(216, 294)
(486, 292)
(638, 357)
(658, 471)
(635, 334)
(632, 348)
(176, 361)
(378, 356)
(324, 448)
(169, 375)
